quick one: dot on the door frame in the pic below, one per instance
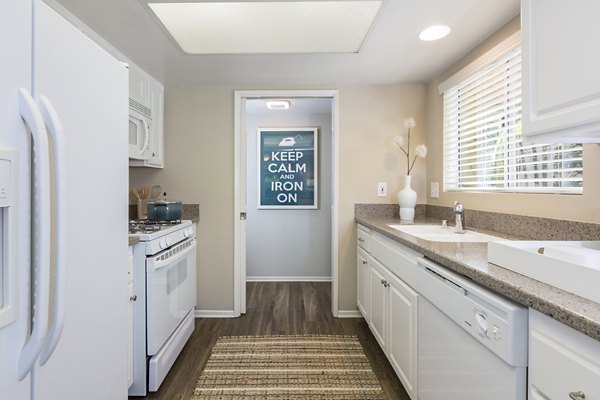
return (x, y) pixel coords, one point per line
(240, 168)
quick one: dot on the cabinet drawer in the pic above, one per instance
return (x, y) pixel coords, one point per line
(399, 259)
(562, 361)
(363, 236)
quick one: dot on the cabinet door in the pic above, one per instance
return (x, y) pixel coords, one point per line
(156, 93)
(402, 342)
(561, 83)
(378, 302)
(138, 88)
(362, 280)
(556, 350)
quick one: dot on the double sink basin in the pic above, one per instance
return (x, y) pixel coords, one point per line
(573, 266)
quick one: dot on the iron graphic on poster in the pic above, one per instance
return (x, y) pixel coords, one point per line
(287, 168)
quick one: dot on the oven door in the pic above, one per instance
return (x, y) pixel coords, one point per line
(139, 136)
(170, 291)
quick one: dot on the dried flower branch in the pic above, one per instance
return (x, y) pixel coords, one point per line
(420, 150)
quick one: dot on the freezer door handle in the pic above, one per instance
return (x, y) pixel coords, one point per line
(55, 129)
(40, 240)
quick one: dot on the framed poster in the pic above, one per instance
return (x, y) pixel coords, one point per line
(287, 168)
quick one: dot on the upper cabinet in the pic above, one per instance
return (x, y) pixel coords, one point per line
(146, 116)
(561, 71)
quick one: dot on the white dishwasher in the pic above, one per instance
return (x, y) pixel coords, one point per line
(472, 343)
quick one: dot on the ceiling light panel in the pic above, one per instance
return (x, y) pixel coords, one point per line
(434, 32)
(268, 27)
(278, 104)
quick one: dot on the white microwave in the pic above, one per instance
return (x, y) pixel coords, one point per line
(140, 125)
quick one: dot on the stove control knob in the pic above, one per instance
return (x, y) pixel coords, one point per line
(187, 232)
(169, 241)
(163, 243)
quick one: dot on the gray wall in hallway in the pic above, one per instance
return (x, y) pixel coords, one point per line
(289, 243)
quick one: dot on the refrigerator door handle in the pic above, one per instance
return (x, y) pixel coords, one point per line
(40, 240)
(55, 129)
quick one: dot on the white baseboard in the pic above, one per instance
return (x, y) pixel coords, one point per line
(288, 279)
(349, 314)
(214, 314)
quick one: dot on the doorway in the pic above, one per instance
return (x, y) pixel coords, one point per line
(246, 198)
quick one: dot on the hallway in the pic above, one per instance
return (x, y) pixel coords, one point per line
(275, 308)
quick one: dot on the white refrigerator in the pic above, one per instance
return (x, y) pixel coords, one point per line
(63, 210)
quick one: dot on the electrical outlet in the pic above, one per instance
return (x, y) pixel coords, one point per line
(435, 190)
(382, 189)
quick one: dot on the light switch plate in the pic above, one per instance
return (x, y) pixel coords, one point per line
(435, 190)
(382, 189)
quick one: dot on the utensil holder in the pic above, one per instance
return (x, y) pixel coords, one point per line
(142, 211)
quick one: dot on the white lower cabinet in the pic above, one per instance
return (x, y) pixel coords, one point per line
(378, 303)
(389, 302)
(402, 331)
(563, 363)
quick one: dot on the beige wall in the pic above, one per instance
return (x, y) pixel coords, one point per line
(199, 169)
(584, 207)
(369, 118)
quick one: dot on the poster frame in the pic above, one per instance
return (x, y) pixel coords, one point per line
(260, 178)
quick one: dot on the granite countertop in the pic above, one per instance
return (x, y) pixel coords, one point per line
(470, 260)
(133, 240)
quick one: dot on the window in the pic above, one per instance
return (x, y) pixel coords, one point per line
(483, 150)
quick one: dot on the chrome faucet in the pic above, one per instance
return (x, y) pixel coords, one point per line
(458, 215)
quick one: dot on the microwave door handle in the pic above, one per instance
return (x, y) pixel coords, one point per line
(146, 136)
(55, 129)
(40, 239)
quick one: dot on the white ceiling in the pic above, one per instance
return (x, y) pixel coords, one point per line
(392, 52)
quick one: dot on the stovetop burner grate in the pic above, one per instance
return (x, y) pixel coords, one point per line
(149, 226)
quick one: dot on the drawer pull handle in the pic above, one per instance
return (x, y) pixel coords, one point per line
(577, 395)
(361, 239)
(385, 283)
(133, 298)
(364, 262)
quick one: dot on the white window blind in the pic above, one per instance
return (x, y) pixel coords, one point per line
(483, 149)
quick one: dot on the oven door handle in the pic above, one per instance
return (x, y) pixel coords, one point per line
(155, 265)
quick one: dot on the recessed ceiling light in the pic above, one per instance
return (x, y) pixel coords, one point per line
(278, 104)
(434, 32)
(260, 27)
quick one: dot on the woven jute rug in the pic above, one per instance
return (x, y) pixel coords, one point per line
(288, 367)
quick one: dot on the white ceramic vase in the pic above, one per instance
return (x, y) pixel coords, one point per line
(407, 200)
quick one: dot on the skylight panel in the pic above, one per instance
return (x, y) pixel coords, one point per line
(262, 27)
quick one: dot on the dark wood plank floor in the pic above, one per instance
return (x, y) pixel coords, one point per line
(277, 308)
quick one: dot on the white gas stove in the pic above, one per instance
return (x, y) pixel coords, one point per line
(164, 279)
